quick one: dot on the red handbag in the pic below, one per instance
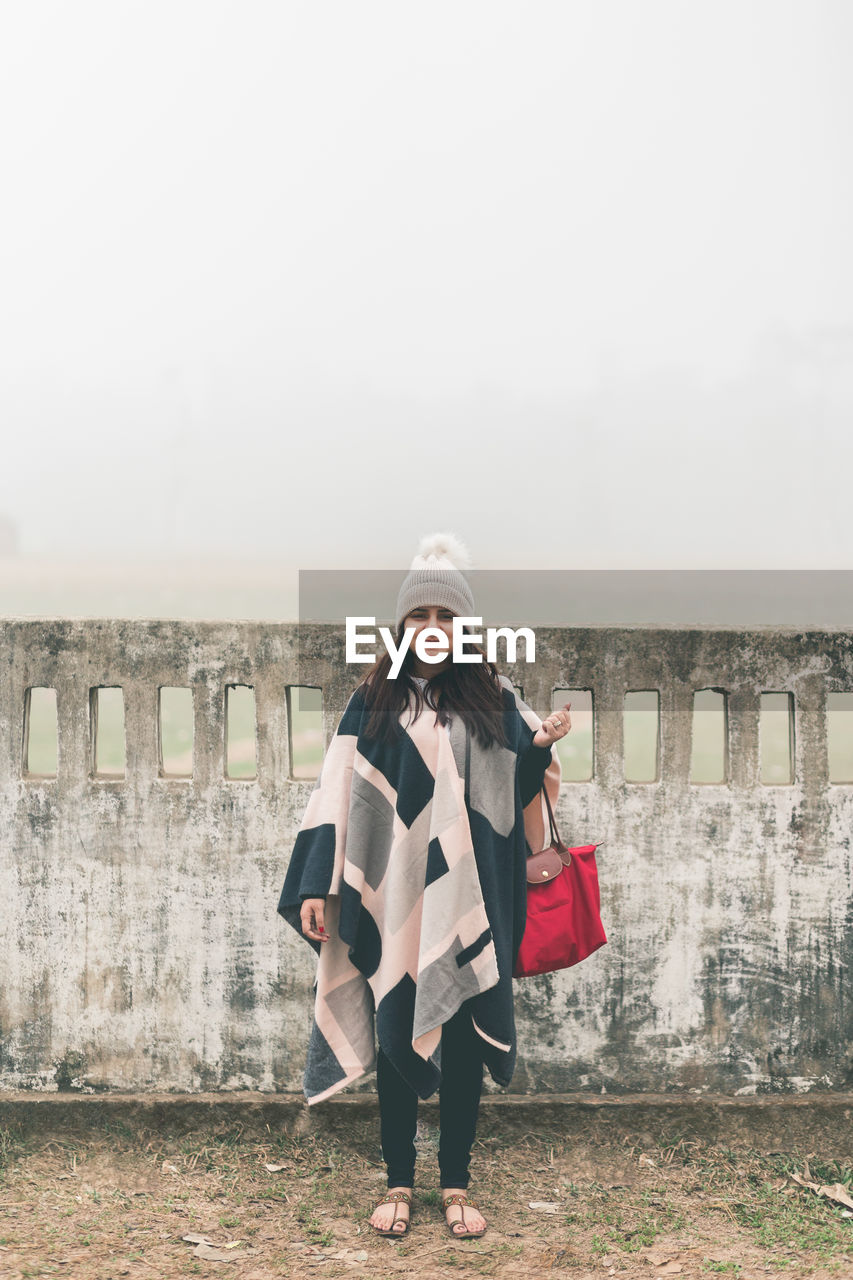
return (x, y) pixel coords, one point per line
(563, 921)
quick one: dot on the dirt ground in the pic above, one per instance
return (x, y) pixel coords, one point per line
(119, 1200)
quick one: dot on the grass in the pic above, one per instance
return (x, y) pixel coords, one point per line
(629, 1227)
(114, 1192)
(824, 1173)
(11, 1149)
(795, 1222)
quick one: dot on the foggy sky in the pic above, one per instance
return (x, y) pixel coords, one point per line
(304, 281)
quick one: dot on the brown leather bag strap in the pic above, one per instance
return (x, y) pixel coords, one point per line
(555, 835)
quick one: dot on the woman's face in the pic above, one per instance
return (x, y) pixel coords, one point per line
(430, 617)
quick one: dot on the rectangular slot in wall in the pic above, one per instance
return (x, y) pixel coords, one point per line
(575, 750)
(305, 729)
(776, 739)
(107, 737)
(641, 728)
(709, 737)
(839, 736)
(175, 731)
(241, 754)
(41, 734)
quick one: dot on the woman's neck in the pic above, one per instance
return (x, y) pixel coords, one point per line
(429, 669)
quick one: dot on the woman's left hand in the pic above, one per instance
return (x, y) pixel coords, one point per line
(556, 726)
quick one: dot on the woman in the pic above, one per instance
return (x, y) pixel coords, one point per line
(408, 876)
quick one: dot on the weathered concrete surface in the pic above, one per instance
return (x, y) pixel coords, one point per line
(816, 1122)
(139, 944)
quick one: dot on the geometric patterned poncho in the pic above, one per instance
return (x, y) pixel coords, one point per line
(425, 890)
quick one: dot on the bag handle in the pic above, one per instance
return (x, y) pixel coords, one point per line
(556, 842)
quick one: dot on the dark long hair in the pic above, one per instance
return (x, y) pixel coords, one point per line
(471, 691)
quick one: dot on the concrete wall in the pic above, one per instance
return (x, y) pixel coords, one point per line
(139, 942)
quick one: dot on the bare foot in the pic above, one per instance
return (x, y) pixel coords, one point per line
(461, 1218)
(383, 1214)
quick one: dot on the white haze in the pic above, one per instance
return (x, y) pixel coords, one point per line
(298, 282)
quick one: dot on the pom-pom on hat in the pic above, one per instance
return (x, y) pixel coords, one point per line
(435, 577)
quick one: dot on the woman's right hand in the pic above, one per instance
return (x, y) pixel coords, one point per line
(312, 914)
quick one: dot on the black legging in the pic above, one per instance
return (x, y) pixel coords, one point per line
(459, 1101)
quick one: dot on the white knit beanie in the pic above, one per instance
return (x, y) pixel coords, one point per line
(435, 577)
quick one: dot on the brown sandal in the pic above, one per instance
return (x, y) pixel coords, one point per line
(395, 1198)
(462, 1201)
